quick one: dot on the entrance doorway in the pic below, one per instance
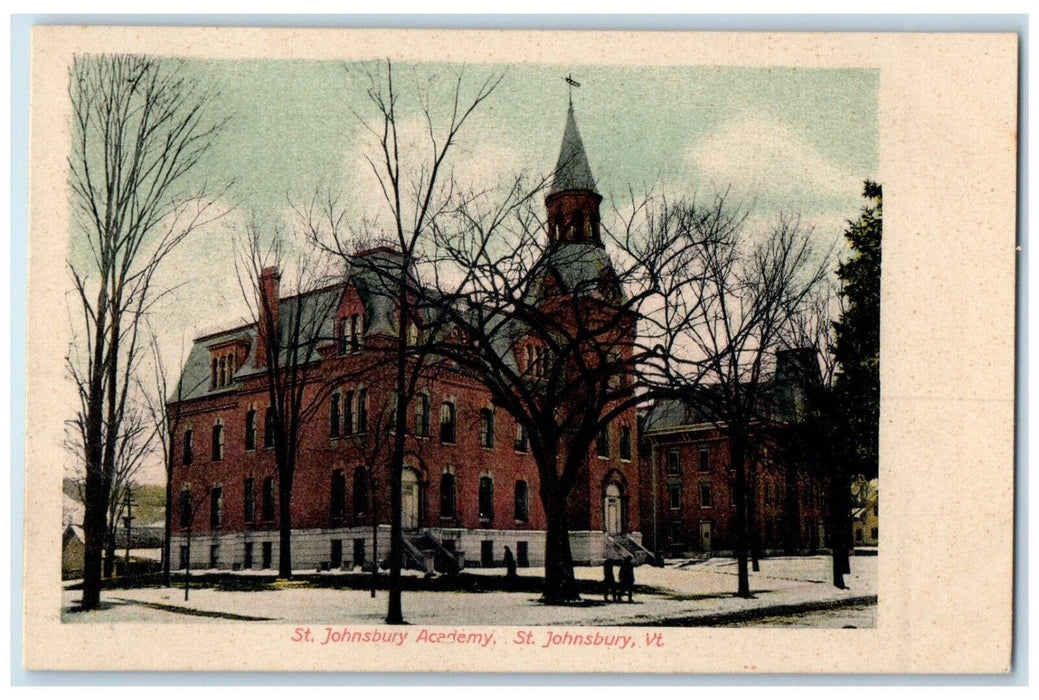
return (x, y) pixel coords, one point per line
(705, 536)
(409, 499)
(612, 510)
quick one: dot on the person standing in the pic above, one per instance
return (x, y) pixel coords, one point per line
(627, 577)
(510, 564)
(608, 583)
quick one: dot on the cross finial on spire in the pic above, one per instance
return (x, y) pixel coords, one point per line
(571, 83)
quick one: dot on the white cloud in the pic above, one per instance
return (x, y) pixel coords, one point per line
(764, 159)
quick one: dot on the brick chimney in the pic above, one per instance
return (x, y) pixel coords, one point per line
(267, 311)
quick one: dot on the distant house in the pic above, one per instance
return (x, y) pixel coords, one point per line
(72, 544)
(865, 513)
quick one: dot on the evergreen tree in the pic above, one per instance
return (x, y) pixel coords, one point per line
(857, 337)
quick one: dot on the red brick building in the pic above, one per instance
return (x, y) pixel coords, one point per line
(470, 486)
(687, 484)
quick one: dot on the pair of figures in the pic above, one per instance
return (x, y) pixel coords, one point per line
(618, 588)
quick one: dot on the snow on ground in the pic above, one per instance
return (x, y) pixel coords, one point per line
(683, 591)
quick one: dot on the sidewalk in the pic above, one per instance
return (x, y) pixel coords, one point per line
(682, 593)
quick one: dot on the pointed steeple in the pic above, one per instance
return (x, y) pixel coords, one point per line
(572, 170)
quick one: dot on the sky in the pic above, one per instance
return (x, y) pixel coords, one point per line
(793, 140)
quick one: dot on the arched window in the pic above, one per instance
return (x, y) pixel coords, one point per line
(422, 415)
(522, 507)
(447, 495)
(250, 429)
(218, 442)
(447, 422)
(602, 442)
(333, 416)
(188, 452)
(356, 327)
(578, 221)
(268, 427)
(338, 495)
(360, 491)
(486, 498)
(486, 428)
(362, 410)
(213, 375)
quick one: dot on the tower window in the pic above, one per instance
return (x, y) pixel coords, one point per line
(333, 416)
(362, 410)
(602, 442)
(188, 456)
(218, 442)
(422, 416)
(625, 443)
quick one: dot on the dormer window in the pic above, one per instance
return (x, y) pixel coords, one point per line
(356, 330)
(343, 336)
(221, 367)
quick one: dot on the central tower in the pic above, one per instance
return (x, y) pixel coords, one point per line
(573, 202)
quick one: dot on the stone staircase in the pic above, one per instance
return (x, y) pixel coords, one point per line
(424, 552)
(622, 546)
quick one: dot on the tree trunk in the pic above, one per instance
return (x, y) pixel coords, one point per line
(94, 530)
(753, 526)
(740, 488)
(394, 610)
(110, 553)
(838, 548)
(560, 584)
(285, 523)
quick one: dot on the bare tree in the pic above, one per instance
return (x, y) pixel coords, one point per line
(727, 326)
(290, 332)
(417, 186)
(139, 132)
(557, 333)
(159, 402)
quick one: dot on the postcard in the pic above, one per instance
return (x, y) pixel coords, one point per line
(426, 350)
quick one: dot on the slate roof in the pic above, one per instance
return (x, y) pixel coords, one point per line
(572, 169)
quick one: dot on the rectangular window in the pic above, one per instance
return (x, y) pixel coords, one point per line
(674, 496)
(447, 496)
(521, 438)
(249, 499)
(674, 464)
(348, 413)
(705, 494)
(486, 499)
(268, 554)
(250, 430)
(333, 416)
(188, 456)
(336, 555)
(602, 442)
(705, 459)
(248, 561)
(360, 491)
(422, 416)
(362, 410)
(216, 502)
(625, 446)
(185, 508)
(338, 494)
(268, 499)
(522, 502)
(486, 428)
